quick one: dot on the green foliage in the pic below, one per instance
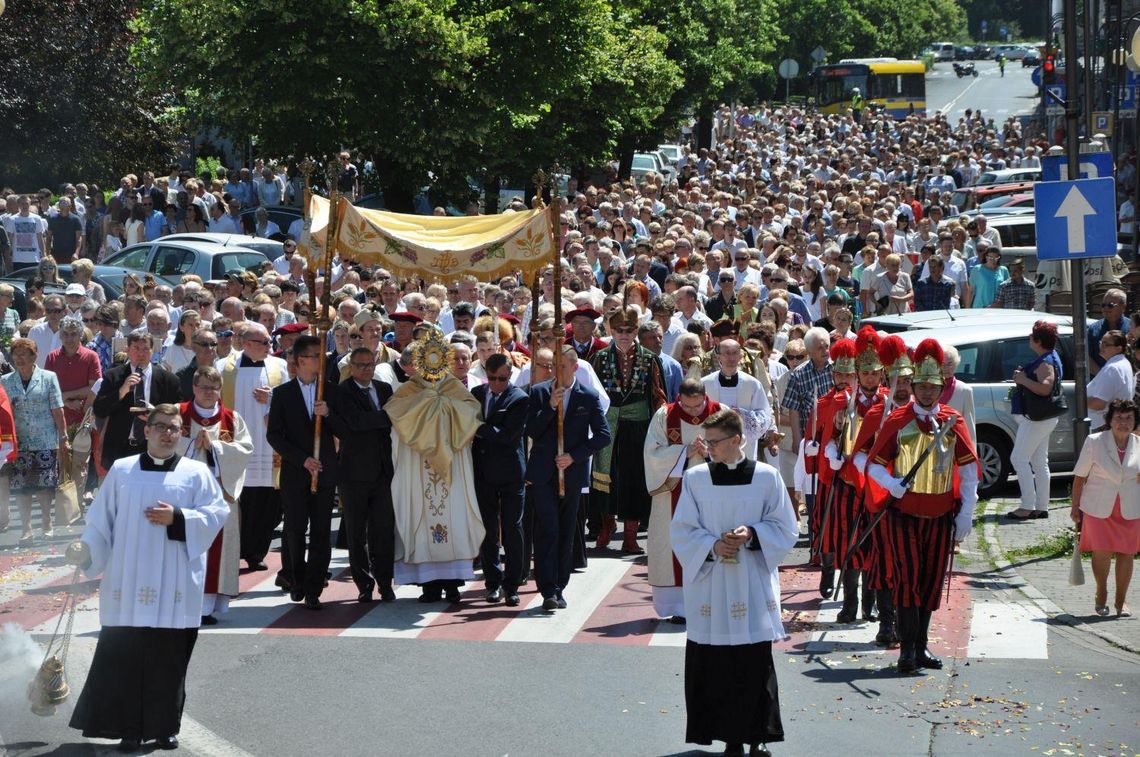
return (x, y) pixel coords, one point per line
(208, 165)
(70, 101)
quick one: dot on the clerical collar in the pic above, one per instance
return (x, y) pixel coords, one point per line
(148, 463)
(728, 381)
(738, 473)
(206, 413)
(248, 362)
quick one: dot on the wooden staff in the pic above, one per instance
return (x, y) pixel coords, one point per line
(322, 323)
(556, 292)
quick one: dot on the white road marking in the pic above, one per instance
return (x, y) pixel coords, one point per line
(668, 635)
(403, 619)
(583, 595)
(836, 637)
(1008, 630)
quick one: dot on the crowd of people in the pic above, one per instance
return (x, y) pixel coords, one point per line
(710, 337)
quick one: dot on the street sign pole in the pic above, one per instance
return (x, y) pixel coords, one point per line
(1077, 266)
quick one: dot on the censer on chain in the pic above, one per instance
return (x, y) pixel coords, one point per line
(49, 687)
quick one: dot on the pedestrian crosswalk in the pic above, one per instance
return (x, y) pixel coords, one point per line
(609, 603)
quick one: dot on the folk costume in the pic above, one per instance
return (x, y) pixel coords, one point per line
(150, 597)
(845, 480)
(667, 456)
(260, 503)
(925, 516)
(226, 456)
(732, 608)
(635, 384)
(879, 574)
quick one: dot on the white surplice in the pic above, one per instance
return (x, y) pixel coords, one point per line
(149, 579)
(259, 469)
(749, 400)
(733, 603)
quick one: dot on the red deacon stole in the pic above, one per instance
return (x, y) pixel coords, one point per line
(674, 417)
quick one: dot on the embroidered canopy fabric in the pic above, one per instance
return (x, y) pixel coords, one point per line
(432, 246)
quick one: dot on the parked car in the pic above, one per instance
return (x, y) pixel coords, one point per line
(937, 319)
(983, 52)
(963, 52)
(270, 248)
(282, 215)
(645, 162)
(1006, 203)
(1032, 58)
(175, 259)
(943, 50)
(990, 351)
(110, 277)
(969, 198)
(672, 153)
(1008, 176)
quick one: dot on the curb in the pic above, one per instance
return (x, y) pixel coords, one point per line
(1052, 610)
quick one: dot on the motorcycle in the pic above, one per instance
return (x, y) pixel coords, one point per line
(965, 69)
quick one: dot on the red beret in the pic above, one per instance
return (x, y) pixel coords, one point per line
(291, 328)
(406, 317)
(509, 318)
(590, 313)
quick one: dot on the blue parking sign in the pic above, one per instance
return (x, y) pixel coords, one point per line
(1094, 165)
(1075, 219)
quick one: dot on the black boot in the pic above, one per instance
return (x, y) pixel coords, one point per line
(923, 658)
(887, 636)
(908, 628)
(827, 576)
(868, 602)
(850, 596)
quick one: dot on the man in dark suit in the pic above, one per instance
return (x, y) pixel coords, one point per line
(585, 431)
(500, 461)
(366, 476)
(290, 432)
(136, 383)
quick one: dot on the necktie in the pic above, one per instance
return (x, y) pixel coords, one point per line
(139, 397)
(728, 381)
(492, 400)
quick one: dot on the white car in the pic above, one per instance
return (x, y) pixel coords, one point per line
(645, 162)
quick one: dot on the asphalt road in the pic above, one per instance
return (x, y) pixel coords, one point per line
(998, 97)
(306, 689)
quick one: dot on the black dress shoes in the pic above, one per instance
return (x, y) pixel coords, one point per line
(452, 594)
(561, 601)
(209, 620)
(923, 659)
(130, 745)
(312, 603)
(296, 595)
(167, 742)
(550, 604)
(364, 596)
(386, 594)
(259, 565)
(429, 596)
(495, 595)
(512, 599)
(283, 582)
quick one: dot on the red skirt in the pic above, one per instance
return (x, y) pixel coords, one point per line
(1111, 534)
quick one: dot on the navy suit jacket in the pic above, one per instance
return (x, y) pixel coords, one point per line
(498, 452)
(584, 417)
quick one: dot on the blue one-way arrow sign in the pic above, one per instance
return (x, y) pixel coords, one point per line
(1075, 219)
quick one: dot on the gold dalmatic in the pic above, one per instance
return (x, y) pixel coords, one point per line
(935, 475)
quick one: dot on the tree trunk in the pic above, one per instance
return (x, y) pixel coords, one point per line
(625, 164)
(704, 127)
(398, 198)
(491, 186)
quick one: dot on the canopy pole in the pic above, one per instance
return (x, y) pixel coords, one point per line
(321, 324)
(542, 179)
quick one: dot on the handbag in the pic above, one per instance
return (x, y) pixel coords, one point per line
(1038, 408)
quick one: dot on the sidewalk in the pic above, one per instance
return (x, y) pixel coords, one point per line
(1046, 579)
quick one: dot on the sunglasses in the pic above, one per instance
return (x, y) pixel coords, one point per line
(263, 342)
(355, 336)
(205, 344)
(625, 330)
(54, 310)
(497, 379)
(797, 356)
(225, 334)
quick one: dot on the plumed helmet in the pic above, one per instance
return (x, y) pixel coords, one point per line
(867, 349)
(928, 356)
(843, 356)
(894, 357)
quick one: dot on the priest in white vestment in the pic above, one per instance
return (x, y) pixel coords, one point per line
(745, 394)
(438, 525)
(147, 532)
(734, 524)
(217, 436)
(248, 379)
(675, 442)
